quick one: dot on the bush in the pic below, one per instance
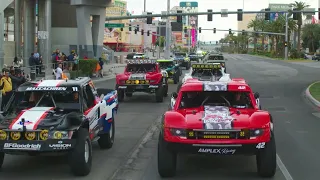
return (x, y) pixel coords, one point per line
(88, 66)
(75, 74)
(294, 54)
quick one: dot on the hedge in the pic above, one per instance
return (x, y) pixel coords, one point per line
(86, 68)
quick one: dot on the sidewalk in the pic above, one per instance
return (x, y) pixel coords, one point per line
(313, 93)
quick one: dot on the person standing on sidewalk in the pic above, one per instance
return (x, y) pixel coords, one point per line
(100, 72)
(6, 89)
(59, 72)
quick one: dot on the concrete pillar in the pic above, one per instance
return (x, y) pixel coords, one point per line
(1, 39)
(17, 27)
(85, 41)
(41, 25)
(98, 21)
(28, 29)
(48, 50)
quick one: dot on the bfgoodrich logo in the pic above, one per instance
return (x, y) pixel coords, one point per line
(17, 146)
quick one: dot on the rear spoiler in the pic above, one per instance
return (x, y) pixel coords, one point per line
(239, 80)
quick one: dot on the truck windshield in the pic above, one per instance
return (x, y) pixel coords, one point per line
(165, 65)
(206, 72)
(180, 54)
(215, 58)
(141, 68)
(67, 100)
(216, 98)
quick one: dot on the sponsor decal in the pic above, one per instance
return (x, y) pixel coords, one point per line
(137, 77)
(242, 87)
(60, 145)
(217, 117)
(153, 86)
(214, 86)
(223, 151)
(25, 123)
(17, 146)
(46, 89)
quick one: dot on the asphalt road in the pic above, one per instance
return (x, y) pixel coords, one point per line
(133, 156)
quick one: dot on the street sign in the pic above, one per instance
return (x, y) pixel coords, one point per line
(43, 34)
(224, 12)
(113, 25)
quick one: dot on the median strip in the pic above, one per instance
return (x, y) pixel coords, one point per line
(313, 93)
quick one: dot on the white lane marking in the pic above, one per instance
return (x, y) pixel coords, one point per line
(283, 169)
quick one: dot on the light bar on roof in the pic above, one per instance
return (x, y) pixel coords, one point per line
(141, 61)
(206, 66)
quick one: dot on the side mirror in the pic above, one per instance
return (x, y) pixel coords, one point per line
(174, 95)
(256, 95)
(101, 96)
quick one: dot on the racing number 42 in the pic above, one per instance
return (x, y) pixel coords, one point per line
(261, 145)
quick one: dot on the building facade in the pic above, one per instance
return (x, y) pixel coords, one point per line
(247, 18)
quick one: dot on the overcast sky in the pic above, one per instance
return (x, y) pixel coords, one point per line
(156, 6)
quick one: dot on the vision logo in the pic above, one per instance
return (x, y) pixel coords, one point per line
(25, 123)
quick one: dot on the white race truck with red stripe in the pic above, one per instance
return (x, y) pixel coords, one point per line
(59, 115)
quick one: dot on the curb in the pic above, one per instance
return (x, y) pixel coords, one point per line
(309, 96)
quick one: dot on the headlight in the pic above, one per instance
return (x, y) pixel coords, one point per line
(3, 135)
(178, 132)
(128, 81)
(15, 135)
(58, 135)
(30, 135)
(256, 132)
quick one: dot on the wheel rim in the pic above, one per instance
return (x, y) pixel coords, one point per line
(111, 131)
(86, 151)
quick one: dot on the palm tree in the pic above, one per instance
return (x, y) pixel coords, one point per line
(299, 6)
(255, 25)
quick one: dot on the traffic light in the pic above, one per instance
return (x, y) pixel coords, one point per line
(148, 33)
(285, 44)
(199, 29)
(240, 13)
(142, 32)
(179, 17)
(135, 31)
(149, 19)
(217, 42)
(137, 28)
(121, 29)
(209, 18)
(267, 14)
(230, 31)
(295, 14)
(214, 30)
(185, 29)
(130, 27)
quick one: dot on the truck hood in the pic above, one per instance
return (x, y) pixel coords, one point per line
(217, 117)
(34, 118)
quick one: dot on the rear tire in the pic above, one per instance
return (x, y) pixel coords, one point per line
(120, 95)
(80, 158)
(165, 91)
(106, 140)
(267, 159)
(175, 78)
(159, 94)
(2, 155)
(167, 160)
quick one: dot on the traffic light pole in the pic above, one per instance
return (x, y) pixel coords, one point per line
(168, 33)
(286, 39)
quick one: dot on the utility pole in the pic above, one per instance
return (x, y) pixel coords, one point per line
(189, 40)
(167, 54)
(286, 39)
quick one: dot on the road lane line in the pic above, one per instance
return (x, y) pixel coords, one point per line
(283, 169)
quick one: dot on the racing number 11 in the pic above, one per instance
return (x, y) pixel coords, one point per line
(74, 88)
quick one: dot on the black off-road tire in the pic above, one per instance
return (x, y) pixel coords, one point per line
(267, 159)
(129, 94)
(179, 86)
(176, 79)
(2, 155)
(188, 66)
(120, 95)
(159, 94)
(167, 160)
(106, 140)
(76, 157)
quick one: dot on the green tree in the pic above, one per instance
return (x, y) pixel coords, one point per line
(255, 25)
(311, 36)
(299, 6)
(160, 41)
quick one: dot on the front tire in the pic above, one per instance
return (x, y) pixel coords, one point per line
(120, 95)
(2, 155)
(80, 158)
(267, 159)
(165, 91)
(106, 140)
(167, 160)
(159, 94)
